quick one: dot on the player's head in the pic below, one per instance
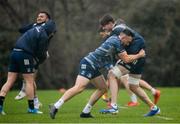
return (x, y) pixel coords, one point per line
(107, 22)
(119, 21)
(42, 17)
(126, 36)
(103, 33)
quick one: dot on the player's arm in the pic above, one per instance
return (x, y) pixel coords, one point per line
(130, 58)
(25, 28)
(44, 37)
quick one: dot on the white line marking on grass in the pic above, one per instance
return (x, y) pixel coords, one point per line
(165, 118)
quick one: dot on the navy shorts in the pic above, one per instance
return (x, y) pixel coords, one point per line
(22, 62)
(86, 70)
(136, 67)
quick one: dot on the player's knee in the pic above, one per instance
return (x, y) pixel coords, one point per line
(133, 82)
(115, 72)
(30, 82)
(80, 90)
(133, 87)
(104, 89)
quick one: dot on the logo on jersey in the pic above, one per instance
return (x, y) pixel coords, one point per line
(82, 72)
(89, 75)
(83, 66)
(134, 62)
(26, 61)
(120, 62)
(28, 69)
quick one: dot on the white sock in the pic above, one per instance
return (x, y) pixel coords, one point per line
(153, 91)
(36, 102)
(87, 108)
(133, 98)
(114, 105)
(59, 103)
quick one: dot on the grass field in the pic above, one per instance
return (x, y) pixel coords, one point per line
(69, 113)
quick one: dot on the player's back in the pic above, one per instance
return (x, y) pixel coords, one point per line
(138, 42)
(104, 55)
(28, 41)
(136, 45)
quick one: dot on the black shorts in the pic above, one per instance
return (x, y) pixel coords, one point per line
(22, 62)
(136, 67)
(86, 70)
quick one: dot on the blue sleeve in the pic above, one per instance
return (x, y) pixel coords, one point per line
(25, 28)
(119, 48)
(140, 41)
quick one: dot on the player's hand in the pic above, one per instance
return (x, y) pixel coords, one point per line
(142, 53)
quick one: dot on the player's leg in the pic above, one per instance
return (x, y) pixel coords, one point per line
(27, 68)
(11, 78)
(80, 85)
(100, 83)
(37, 103)
(22, 94)
(113, 89)
(155, 92)
(105, 95)
(114, 94)
(134, 86)
(29, 79)
(6, 87)
(113, 76)
(133, 102)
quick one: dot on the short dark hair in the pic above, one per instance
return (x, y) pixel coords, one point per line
(46, 13)
(128, 32)
(106, 19)
(119, 21)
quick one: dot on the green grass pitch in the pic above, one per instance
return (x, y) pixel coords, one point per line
(69, 113)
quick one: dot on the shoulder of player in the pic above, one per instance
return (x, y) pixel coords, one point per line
(120, 26)
(39, 32)
(113, 38)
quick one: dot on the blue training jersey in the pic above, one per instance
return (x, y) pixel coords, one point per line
(35, 40)
(25, 28)
(103, 56)
(138, 41)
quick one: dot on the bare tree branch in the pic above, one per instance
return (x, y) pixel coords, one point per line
(11, 12)
(82, 6)
(66, 12)
(6, 28)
